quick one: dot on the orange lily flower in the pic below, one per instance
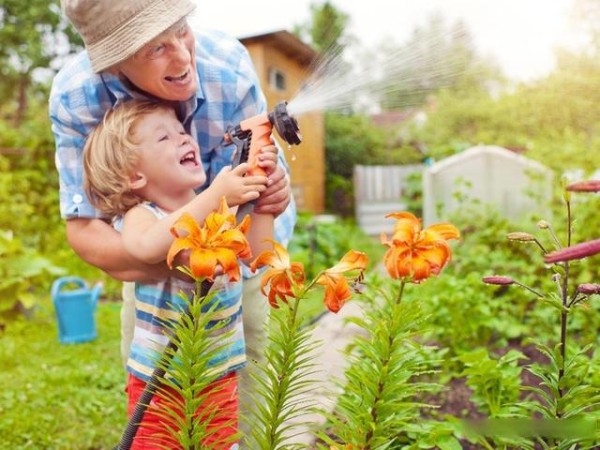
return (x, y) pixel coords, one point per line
(416, 254)
(283, 278)
(337, 289)
(220, 241)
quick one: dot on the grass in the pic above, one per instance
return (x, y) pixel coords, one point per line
(61, 397)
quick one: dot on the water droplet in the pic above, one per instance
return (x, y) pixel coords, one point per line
(294, 157)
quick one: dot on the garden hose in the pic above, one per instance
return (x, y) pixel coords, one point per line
(152, 386)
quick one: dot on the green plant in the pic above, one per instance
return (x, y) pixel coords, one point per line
(185, 376)
(379, 406)
(22, 272)
(495, 381)
(564, 390)
(287, 376)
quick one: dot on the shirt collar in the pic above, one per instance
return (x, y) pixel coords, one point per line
(121, 89)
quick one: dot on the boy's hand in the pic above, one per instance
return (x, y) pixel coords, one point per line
(237, 188)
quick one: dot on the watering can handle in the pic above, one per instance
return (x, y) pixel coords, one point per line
(58, 284)
(96, 291)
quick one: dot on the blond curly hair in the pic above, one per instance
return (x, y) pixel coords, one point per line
(111, 154)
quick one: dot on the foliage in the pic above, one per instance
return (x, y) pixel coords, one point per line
(552, 119)
(30, 181)
(495, 381)
(379, 406)
(30, 217)
(287, 376)
(565, 390)
(22, 271)
(436, 56)
(327, 29)
(33, 35)
(353, 140)
(350, 140)
(317, 242)
(184, 374)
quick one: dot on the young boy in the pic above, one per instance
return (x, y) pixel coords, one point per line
(141, 166)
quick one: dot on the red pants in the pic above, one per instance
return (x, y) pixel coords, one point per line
(222, 395)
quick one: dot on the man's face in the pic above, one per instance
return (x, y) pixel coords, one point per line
(166, 66)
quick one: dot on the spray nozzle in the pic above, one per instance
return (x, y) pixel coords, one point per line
(286, 125)
(254, 133)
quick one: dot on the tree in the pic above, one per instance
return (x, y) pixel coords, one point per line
(34, 36)
(435, 57)
(586, 14)
(327, 28)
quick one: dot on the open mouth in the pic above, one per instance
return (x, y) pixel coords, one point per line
(178, 78)
(189, 159)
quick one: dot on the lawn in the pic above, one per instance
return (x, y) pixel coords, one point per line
(61, 397)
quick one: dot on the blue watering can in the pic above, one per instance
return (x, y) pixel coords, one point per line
(75, 309)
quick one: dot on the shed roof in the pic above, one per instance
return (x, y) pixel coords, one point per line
(287, 43)
(492, 150)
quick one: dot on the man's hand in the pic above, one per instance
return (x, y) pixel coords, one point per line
(275, 199)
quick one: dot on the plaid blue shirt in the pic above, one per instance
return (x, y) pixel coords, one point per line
(228, 92)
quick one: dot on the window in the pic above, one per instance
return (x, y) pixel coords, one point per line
(277, 79)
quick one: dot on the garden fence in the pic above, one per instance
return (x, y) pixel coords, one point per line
(378, 191)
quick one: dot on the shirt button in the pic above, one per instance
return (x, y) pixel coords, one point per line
(77, 199)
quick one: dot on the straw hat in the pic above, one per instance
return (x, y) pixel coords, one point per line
(113, 30)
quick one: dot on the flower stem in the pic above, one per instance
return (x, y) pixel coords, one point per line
(565, 311)
(400, 292)
(279, 389)
(384, 370)
(530, 289)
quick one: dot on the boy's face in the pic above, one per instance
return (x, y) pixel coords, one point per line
(169, 160)
(166, 66)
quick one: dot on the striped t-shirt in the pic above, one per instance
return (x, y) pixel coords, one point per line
(156, 303)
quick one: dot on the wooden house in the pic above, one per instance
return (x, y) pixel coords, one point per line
(283, 64)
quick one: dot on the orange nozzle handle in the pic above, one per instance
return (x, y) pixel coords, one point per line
(261, 129)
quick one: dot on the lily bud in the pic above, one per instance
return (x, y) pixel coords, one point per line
(578, 251)
(543, 225)
(519, 236)
(585, 186)
(589, 288)
(498, 280)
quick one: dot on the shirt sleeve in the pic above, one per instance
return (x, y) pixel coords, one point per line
(73, 113)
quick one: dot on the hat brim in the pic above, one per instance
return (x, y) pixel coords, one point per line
(133, 34)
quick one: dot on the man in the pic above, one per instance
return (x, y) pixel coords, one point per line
(146, 49)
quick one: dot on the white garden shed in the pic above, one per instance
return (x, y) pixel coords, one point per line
(514, 184)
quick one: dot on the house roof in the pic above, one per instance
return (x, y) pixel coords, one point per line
(285, 42)
(391, 118)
